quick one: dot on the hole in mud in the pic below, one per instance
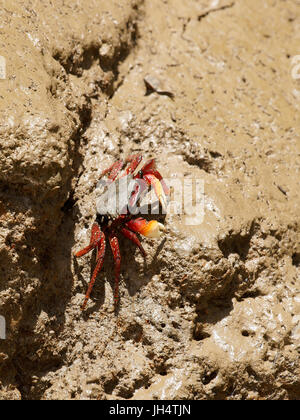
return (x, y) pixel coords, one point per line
(214, 154)
(200, 335)
(296, 259)
(209, 377)
(245, 333)
(110, 385)
(250, 294)
(235, 244)
(69, 204)
(162, 371)
(251, 372)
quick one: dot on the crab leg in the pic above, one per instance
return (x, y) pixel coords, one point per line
(100, 259)
(154, 178)
(159, 190)
(151, 176)
(150, 168)
(141, 186)
(132, 236)
(96, 236)
(111, 168)
(157, 175)
(115, 169)
(114, 244)
(134, 161)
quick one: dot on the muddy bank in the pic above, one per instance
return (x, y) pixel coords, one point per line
(214, 313)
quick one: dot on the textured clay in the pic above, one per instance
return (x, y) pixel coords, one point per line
(214, 311)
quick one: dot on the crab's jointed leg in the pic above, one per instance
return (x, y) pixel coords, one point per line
(154, 178)
(115, 169)
(159, 191)
(134, 161)
(100, 259)
(132, 236)
(97, 241)
(114, 244)
(96, 235)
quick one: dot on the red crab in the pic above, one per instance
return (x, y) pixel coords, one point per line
(111, 221)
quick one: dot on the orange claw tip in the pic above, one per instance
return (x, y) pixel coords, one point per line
(154, 229)
(150, 229)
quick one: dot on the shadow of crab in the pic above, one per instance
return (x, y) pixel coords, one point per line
(140, 272)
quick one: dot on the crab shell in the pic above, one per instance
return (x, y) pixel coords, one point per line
(114, 200)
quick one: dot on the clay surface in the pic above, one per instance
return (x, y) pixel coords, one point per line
(207, 88)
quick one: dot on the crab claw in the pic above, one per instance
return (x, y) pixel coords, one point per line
(158, 188)
(150, 229)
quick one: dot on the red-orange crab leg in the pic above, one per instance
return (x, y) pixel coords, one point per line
(96, 236)
(100, 259)
(134, 161)
(140, 187)
(150, 168)
(150, 229)
(132, 236)
(150, 164)
(109, 169)
(154, 178)
(114, 170)
(158, 188)
(114, 244)
(157, 175)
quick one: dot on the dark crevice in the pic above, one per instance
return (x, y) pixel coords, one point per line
(195, 155)
(296, 259)
(52, 288)
(237, 243)
(69, 203)
(110, 385)
(209, 377)
(214, 10)
(250, 294)
(199, 334)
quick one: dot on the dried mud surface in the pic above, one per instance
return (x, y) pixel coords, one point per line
(214, 313)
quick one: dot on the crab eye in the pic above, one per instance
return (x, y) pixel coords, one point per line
(140, 174)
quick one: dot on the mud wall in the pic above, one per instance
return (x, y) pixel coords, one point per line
(214, 312)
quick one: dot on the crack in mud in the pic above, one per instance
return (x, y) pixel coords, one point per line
(214, 10)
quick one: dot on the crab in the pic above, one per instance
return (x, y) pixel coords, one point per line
(130, 178)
